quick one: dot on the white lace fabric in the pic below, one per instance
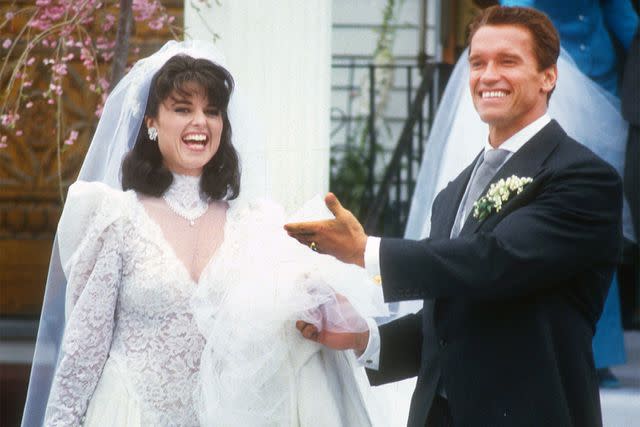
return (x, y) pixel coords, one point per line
(185, 198)
(219, 350)
(195, 242)
(129, 301)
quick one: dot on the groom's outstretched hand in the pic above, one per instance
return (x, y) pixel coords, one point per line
(356, 341)
(342, 237)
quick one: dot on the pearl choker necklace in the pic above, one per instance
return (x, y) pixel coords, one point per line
(184, 198)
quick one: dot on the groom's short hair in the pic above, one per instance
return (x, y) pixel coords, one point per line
(546, 41)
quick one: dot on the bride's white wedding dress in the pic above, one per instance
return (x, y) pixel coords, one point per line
(160, 336)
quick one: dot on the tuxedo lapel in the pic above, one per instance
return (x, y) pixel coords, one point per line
(452, 195)
(526, 162)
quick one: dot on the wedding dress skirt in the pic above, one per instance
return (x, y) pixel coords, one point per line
(113, 403)
(319, 399)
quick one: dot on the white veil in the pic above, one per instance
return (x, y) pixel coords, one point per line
(114, 137)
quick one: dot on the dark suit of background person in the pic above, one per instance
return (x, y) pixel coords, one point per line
(630, 97)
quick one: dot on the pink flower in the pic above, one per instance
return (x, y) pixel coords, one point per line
(104, 84)
(31, 61)
(109, 22)
(107, 56)
(100, 107)
(60, 69)
(9, 120)
(54, 13)
(18, 133)
(156, 24)
(144, 9)
(9, 15)
(102, 43)
(29, 104)
(87, 58)
(73, 135)
(6, 44)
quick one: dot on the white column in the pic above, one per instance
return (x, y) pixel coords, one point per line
(280, 54)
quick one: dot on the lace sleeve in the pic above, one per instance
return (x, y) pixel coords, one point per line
(92, 291)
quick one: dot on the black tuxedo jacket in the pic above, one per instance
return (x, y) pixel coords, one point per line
(511, 304)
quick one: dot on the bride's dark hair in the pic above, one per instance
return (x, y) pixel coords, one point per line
(142, 167)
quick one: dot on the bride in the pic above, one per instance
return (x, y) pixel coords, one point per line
(181, 292)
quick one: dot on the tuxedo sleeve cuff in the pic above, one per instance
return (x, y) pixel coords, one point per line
(371, 357)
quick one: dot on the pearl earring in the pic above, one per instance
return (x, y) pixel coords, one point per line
(153, 133)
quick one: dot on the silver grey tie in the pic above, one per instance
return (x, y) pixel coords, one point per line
(492, 160)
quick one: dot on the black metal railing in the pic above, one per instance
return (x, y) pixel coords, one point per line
(377, 150)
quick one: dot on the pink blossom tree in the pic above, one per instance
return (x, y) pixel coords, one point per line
(59, 33)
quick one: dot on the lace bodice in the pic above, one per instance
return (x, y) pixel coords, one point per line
(128, 299)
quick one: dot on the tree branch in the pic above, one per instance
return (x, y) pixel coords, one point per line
(121, 50)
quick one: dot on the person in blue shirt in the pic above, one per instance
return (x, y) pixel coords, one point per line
(593, 32)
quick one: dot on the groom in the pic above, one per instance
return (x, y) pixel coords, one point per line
(512, 287)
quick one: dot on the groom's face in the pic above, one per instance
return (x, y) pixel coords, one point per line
(508, 89)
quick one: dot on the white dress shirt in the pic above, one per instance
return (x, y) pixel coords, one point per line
(371, 356)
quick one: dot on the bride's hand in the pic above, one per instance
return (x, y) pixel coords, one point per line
(356, 341)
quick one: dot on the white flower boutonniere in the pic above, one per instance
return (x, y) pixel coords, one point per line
(498, 193)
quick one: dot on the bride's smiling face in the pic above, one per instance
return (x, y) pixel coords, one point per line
(189, 129)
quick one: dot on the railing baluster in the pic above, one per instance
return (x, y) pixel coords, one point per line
(392, 194)
(409, 155)
(372, 138)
